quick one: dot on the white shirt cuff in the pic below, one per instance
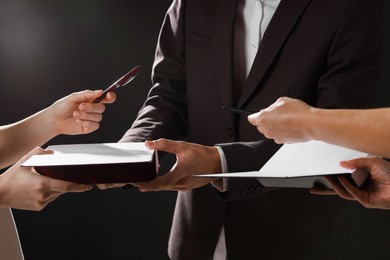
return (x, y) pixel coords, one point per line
(221, 184)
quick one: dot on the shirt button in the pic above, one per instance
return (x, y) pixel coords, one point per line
(254, 45)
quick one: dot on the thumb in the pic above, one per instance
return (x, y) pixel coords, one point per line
(253, 118)
(65, 186)
(165, 145)
(357, 163)
(85, 96)
(35, 151)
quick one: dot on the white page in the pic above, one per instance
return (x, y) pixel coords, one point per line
(82, 154)
(313, 158)
(307, 159)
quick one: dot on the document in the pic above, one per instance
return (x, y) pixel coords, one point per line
(303, 165)
(97, 163)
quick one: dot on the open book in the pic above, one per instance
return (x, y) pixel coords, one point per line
(97, 163)
(303, 165)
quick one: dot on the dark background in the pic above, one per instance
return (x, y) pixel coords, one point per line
(49, 49)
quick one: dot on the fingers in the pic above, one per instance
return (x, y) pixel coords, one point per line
(160, 183)
(88, 126)
(88, 116)
(65, 186)
(322, 191)
(109, 99)
(253, 118)
(167, 181)
(38, 151)
(164, 145)
(85, 99)
(110, 185)
(88, 96)
(260, 120)
(136, 184)
(85, 96)
(325, 191)
(92, 108)
(172, 182)
(351, 189)
(35, 151)
(338, 188)
(87, 109)
(358, 163)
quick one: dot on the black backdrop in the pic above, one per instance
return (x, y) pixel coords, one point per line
(49, 49)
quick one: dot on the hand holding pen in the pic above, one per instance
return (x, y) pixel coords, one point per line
(91, 105)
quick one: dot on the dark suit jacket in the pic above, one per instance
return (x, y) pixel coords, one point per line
(325, 52)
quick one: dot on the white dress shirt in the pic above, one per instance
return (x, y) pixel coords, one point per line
(251, 22)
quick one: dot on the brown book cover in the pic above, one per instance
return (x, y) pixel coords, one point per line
(98, 163)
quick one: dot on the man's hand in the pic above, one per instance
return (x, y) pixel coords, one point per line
(374, 194)
(190, 159)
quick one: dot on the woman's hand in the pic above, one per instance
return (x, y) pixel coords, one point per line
(374, 194)
(76, 114)
(24, 188)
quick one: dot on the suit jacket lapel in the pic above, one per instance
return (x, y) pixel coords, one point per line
(223, 40)
(276, 34)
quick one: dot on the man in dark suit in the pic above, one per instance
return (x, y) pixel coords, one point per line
(326, 53)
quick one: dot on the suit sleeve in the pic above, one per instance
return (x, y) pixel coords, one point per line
(164, 112)
(350, 80)
(352, 76)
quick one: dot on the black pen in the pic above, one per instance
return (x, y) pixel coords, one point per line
(239, 111)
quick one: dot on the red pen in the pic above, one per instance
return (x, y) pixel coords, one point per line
(129, 76)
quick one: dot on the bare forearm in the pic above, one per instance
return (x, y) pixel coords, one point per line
(21, 137)
(72, 115)
(365, 130)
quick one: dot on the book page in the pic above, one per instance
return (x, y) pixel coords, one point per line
(308, 159)
(83, 154)
(313, 158)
